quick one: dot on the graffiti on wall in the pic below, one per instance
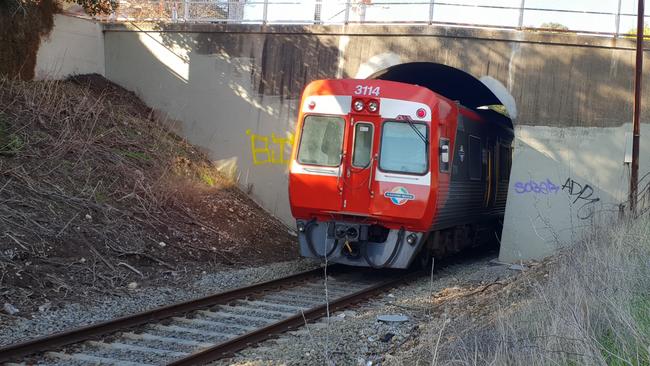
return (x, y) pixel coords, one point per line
(541, 187)
(270, 149)
(580, 195)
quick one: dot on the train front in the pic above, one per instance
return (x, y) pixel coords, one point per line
(363, 182)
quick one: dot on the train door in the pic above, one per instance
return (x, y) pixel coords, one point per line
(491, 174)
(316, 172)
(357, 175)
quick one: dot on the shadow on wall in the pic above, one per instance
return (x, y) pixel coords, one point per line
(234, 94)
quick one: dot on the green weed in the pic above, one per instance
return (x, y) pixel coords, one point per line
(10, 143)
(100, 197)
(207, 179)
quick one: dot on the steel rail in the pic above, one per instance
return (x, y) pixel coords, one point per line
(57, 340)
(229, 347)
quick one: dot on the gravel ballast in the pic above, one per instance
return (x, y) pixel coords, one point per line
(100, 308)
(355, 336)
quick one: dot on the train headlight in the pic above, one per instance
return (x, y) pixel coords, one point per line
(351, 233)
(358, 105)
(411, 239)
(373, 106)
(301, 227)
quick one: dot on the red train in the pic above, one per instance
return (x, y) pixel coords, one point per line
(385, 174)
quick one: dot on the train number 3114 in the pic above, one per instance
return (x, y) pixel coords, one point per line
(366, 90)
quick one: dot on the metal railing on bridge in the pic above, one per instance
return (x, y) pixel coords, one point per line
(604, 18)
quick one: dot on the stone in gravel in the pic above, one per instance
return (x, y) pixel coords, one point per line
(132, 285)
(387, 337)
(88, 217)
(517, 267)
(45, 307)
(162, 244)
(10, 309)
(392, 318)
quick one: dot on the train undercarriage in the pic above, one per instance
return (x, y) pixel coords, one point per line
(376, 246)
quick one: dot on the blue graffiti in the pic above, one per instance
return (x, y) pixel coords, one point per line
(542, 187)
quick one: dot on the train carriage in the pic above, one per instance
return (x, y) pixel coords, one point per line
(385, 173)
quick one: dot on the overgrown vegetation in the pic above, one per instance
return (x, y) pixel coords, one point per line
(631, 33)
(554, 25)
(590, 305)
(23, 23)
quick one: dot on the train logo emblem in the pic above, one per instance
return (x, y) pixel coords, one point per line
(399, 195)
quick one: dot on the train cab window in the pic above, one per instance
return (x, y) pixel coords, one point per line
(403, 150)
(362, 145)
(321, 141)
(475, 158)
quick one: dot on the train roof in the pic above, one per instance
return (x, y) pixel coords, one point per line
(390, 89)
(398, 90)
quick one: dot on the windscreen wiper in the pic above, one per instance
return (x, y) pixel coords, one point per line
(424, 138)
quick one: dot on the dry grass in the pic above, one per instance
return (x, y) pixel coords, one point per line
(590, 305)
(66, 141)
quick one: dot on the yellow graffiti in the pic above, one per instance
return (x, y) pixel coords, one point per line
(262, 153)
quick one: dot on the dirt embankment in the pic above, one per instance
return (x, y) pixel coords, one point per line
(96, 196)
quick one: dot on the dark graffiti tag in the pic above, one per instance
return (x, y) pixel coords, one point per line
(582, 195)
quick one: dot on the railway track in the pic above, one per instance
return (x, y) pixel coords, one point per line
(206, 329)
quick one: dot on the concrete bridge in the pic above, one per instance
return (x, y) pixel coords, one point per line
(234, 89)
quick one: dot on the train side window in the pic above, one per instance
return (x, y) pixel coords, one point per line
(321, 141)
(444, 155)
(475, 158)
(362, 145)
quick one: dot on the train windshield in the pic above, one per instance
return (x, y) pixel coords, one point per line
(321, 141)
(402, 149)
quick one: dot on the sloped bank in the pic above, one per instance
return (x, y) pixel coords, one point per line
(98, 198)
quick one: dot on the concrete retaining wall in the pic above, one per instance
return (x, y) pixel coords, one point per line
(75, 46)
(564, 180)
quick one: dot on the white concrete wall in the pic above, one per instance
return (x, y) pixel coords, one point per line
(213, 98)
(75, 46)
(588, 182)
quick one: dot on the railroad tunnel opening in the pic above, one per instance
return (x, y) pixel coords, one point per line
(488, 98)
